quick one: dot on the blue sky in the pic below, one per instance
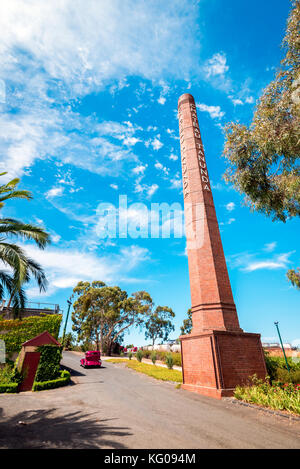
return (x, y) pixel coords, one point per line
(88, 99)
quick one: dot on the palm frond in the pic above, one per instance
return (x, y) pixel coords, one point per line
(12, 227)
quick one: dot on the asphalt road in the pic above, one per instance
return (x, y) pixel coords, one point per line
(114, 407)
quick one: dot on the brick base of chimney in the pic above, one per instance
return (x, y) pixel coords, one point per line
(215, 362)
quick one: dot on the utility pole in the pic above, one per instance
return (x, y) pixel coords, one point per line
(287, 365)
(69, 306)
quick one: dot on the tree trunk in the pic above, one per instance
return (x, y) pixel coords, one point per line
(109, 345)
(97, 342)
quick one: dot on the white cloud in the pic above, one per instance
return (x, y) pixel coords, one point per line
(156, 143)
(230, 206)
(279, 262)
(248, 262)
(173, 157)
(152, 189)
(57, 54)
(114, 186)
(269, 247)
(161, 167)
(85, 44)
(214, 111)
(176, 182)
(139, 169)
(54, 192)
(216, 65)
(237, 102)
(59, 265)
(161, 100)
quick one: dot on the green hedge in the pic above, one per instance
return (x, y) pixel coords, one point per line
(49, 364)
(64, 379)
(9, 388)
(16, 331)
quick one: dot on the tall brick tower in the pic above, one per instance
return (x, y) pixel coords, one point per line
(217, 355)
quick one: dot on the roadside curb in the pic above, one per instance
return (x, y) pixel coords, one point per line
(278, 413)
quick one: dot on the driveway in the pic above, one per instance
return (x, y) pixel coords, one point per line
(115, 407)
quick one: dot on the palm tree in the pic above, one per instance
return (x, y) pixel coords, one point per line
(12, 255)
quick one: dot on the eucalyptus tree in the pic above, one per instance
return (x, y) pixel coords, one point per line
(103, 313)
(187, 324)
(263, 158)
(159, 324)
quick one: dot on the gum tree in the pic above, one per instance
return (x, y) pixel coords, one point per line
(263, 158)
(102, 313)
(159, 324)
(187, 324)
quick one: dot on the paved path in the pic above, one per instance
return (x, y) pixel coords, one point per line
(114, 407)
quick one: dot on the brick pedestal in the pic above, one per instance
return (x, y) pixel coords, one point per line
(215, 362)
(217, 355)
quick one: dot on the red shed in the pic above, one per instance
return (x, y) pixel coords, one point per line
(29, 358)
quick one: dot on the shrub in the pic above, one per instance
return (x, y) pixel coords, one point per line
(139, 355)
(277, 369)
(9, 388)
(9, 379)
(9, 374)
(169, 361)
(161, 355)
(130, 355)
(153, 357)
(276, 396)
(6, 374)
(49, 365)
(63, 380)
(284, 376)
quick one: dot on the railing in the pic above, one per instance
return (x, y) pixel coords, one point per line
(42, 306)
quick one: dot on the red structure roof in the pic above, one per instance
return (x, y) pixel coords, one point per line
(45, 338)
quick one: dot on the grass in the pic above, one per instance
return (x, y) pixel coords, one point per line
(157, 372)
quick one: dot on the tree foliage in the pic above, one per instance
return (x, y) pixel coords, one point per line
(264, 157)
(187, 324)
(13, 256)
(294, 277)
(102, 313)
(159, 324)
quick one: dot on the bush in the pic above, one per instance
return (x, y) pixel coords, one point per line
(169, 361)
(130, 355)
(153, 357)
(284, 376)
(63, 380)
(9, 374)
(161, 355)
(139, 355)
(9, 379)
(9, 388)
(49, 365)
(277, 369)
(276, 396)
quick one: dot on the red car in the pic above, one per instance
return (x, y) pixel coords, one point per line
(92, 358)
